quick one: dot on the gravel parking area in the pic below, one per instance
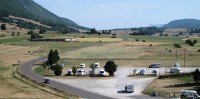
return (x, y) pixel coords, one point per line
(114, 87)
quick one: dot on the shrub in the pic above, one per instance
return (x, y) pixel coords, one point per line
(143, 40)
(3, 26)
(150, 45)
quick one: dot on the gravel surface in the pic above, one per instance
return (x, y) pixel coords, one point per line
(114, 87)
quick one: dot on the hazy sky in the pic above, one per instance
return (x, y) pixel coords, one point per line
(109, 14)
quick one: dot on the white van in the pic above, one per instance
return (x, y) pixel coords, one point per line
(189, 94)
(129, 88)
(82, 65)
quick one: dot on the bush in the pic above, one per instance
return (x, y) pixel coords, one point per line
(57, 69)
(35, 36)
(143, 40)
(177, 45)
(3, 26)
(150, 45)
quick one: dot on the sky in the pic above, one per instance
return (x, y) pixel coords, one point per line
(112, 14)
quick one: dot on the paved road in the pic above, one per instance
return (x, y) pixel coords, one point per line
(26, 69)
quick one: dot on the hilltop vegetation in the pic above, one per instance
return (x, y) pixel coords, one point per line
(183, 23)
(31, 10)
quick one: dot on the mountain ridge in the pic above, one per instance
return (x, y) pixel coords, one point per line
(31, 10)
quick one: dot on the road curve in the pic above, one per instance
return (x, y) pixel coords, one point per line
(26, 69)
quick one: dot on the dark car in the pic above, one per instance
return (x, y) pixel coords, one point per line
(158, 65)
(46, 80)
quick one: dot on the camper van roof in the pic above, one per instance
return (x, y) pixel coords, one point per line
(188, 91)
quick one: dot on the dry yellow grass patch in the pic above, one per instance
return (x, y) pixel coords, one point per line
(135, 44)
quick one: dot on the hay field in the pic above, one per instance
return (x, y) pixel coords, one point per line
(121, 50)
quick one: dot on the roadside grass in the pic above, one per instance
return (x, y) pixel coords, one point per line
(168, 87)
(41, 71)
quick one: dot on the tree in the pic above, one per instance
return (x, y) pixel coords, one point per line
(13, 34)
(3, 26)
(110, 67)
(196, 76)
(57, 69)
(57, 58)
(74, 70)
(177, 45)
(35, 36)
(195, 42)
(92, 66)
(50, 57)
(42, 31)
(18, 34)
(53, 57)
(30, 32)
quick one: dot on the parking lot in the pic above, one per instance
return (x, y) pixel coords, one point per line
(114, 87)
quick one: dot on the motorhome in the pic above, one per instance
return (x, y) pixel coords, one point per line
(102, 72)
(69, 73)
(80, 72)
(97, 65)
(189, 94)
(177, 65)
(129, 88)
(82, 65)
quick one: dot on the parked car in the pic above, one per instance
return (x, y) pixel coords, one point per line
(46, 80)
(175, 70)
(157, 65)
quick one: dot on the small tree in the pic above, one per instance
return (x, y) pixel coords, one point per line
(196, 76)
(30, 32)
(74, 70)
(57, 69)
(110, 67)
(92, 66)
(3, 26)
(42, 31)
(18, 34)
(13, 34)
(195, 42)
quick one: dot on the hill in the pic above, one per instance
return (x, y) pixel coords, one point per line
(183, 23)
(30, 10)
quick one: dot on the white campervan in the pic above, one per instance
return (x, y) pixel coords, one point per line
(189, 94)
